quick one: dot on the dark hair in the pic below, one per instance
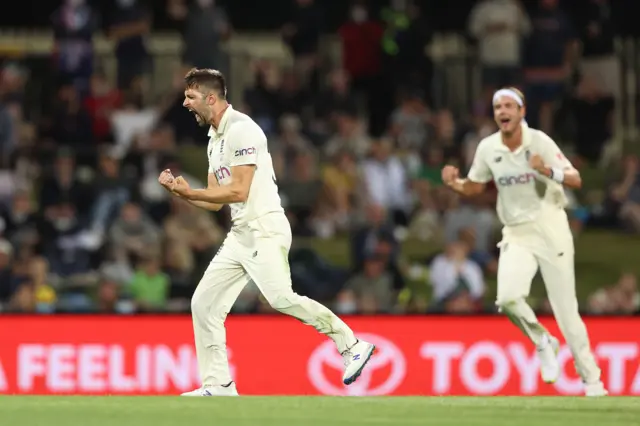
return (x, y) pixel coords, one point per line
(214, 80)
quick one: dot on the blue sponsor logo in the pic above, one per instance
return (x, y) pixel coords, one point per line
(522, 179)
(245, 151)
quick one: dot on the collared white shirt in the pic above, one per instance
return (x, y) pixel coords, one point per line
(239, 141)
(519, 194)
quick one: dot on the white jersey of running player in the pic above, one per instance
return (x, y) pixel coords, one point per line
(256, 249)
(530, 173)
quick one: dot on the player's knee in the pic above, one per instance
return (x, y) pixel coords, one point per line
(509, 304)
(201, 304)
(197, 305)
(282, 301)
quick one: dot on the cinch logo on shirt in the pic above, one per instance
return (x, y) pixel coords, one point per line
(522, 179)
(221, 173)
(245, 151)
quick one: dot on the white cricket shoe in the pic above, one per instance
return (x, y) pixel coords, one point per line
(595, 389)
(214, 391)
(548, 353)
(355, 359)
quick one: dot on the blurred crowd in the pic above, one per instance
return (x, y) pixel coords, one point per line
(357, 146)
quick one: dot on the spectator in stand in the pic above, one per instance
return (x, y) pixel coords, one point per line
(21, 220)
(72, 124)
(128, 27)
(386, 182)
(593, 114)
(261, 99)
(350, 135)
(113, 188)
(342, 182)
(133, 234)
(149, 287)
(372, 290)
(621, 298)
(456, 279)
(599, 58)
(361, 38)
(302, 35)
(625, 194)
(74, 25)
(337, 96)
(192, 236)
(410, 121)
(499, 27)
(205, 26)
(299, 192)
(293, 95)
(62, 182)
(549, 53)
(102, 102)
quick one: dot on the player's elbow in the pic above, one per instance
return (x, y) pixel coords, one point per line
(573, 180)
(239, 193)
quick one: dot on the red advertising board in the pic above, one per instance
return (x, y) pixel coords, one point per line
(279, 356)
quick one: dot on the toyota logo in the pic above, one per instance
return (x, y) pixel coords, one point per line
(387, 355)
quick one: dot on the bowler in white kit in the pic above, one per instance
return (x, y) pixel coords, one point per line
(257, 247)
(536, 232)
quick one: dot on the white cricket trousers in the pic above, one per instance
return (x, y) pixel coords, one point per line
(259, 252)
(547, 244)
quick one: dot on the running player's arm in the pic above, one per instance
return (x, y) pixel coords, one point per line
(552, 163)
(244, 139)
(214, 207)
(476, 181)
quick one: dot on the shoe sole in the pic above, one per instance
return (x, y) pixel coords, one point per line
(355, 376)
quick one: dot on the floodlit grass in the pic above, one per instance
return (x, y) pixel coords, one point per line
(317, 411)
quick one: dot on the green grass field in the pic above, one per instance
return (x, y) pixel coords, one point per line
(317, 411)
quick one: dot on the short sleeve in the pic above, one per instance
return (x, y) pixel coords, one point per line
(552, 156)
(480, 171)
(245, 140)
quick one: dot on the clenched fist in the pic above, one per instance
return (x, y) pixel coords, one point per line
(536, 163)
(180, 186)
(166, 179)
(450, 174)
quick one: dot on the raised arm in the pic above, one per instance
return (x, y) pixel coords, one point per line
(476, 180)
(552, 163)
(245, 141)
(212, 182)
(236, 192)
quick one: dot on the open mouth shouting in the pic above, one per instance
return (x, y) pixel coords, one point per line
(504, 121)
(196, 115)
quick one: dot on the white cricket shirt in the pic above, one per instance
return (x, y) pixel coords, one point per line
(239, 141)
(519, 201)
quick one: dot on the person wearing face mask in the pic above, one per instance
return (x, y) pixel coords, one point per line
(130, 24)
(361, 38)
